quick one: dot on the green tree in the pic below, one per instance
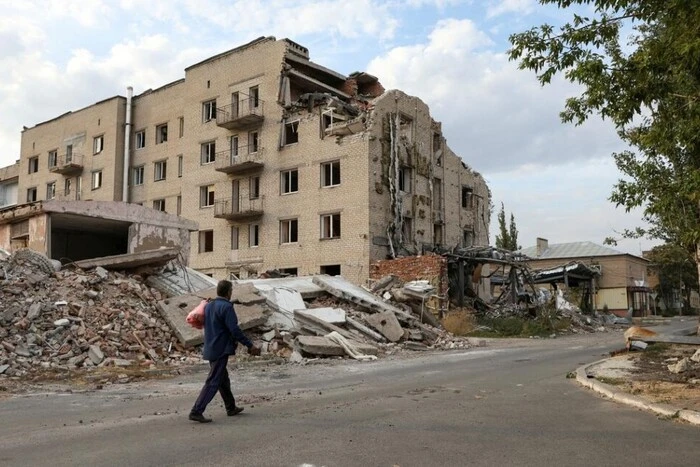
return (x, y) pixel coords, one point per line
(638, 64)
(508, 236)
(674, 267)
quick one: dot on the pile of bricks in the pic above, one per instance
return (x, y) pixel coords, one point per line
(72, 319)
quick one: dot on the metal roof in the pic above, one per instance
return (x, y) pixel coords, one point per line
(570, 250)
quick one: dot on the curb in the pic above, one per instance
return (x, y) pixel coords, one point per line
(611, 392)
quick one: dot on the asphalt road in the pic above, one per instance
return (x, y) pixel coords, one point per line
(508, 403)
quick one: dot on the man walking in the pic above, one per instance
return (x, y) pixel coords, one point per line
(221, 337)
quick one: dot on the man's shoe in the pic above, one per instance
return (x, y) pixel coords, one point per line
(198, 417)
(234, 411)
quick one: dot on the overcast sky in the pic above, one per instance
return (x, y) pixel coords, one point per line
(60, 55)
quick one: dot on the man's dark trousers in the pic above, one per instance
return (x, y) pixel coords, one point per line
(217, 380)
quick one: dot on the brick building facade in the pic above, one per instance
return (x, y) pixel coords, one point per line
(283, 163)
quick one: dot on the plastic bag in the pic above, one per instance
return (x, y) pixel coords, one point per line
(195, 318)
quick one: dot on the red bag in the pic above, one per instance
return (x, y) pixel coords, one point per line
(195, 318)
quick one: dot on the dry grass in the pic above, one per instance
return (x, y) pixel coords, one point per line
(459, 322)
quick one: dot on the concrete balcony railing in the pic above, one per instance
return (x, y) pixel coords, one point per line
(239, 160)
(246, 114)
(68, 164)
(241, 209)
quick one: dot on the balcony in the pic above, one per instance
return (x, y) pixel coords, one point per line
(68, 195)
(68, 164)
(239, 160)
(245, 115)
(239, 210)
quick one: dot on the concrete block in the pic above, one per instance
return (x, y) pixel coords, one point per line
(250, 316)
(174, 311)
(131, 260)
(329, 315)
(95, 354)
(304, 285)
(317, 345)
(387, 324)
(246, 294)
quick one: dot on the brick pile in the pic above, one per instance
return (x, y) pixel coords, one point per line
(72, 319)
(432, 268)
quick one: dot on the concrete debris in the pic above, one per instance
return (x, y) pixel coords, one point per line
(159, 256)
(696, 356)
(680, 366)
(323, 346)
(327, 314)
(387, 324)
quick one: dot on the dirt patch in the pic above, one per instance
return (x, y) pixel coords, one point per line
(652, 379)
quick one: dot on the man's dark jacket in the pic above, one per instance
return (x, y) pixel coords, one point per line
(221, 331)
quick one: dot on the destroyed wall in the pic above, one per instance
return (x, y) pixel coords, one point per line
(421, 193)
(74, 133)
(427, 267)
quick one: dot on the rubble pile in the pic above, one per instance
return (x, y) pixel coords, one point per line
(73, 319)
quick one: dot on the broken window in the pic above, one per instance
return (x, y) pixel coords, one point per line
(437, 194)
(252, 142)
(467, 197)
(53, 158)
(330, 226)
(437, 142)
(206, 241)
(159, 204)
(179, 165)
(234, 237)
(69, 153)
(68, 186)
(291, 133)
(437, 234)
(137, 175)
(159, 170)
(329, 120)
(233, 141)
(253, 97)
(31, 195)
(405, 179)
(254, 188)
(51, 190)
(206, 196)
(98, 144)
(331, 269)
(235, 98)
(208, 152)
(254, 235)
(162, 133)
(406, 127)
(467, 237)
(407, 229)
(289, 181)
(208, 110)
(289, 231)
(33, 164)
(96, 179)
(330, 174)
(179, 205)
(140, 139)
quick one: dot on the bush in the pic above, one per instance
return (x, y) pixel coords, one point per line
(459, 323)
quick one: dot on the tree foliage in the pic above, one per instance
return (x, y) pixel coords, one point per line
(508, 235)
(674, 267)
(638, 64)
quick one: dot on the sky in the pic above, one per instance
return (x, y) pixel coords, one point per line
(60, 55)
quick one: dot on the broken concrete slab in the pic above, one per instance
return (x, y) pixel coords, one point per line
(317, 345)
(329, 315)
(318, 325)
(131, 260)
(304, 285)
(175, 281)
(365, 330)
(246, 294)
(283, 301)
(341, 288)
(387, 324)
(250, 316)
(174, 311)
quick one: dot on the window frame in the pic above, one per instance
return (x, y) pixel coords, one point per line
(331, 230)
(160, 170)
(53, 154)
(159, 204)
(404, 182)
(207, 155)
(162, 136)
(51, 190)
(96, 179)
(324, 177)
(254, 188)
(207, 196)
(140, 139)
(138, 175)
(33, 163)
(294, 126)
(253, 228)
(203, 241)
(33, 190)
(98, 144)
(208, 110)
(289, 231)
(235, 237)
(288, 180)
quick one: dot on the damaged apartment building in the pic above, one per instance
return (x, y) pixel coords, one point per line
(283, 164)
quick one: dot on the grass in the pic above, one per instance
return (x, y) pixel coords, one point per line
(520, 327)
(459, 323)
